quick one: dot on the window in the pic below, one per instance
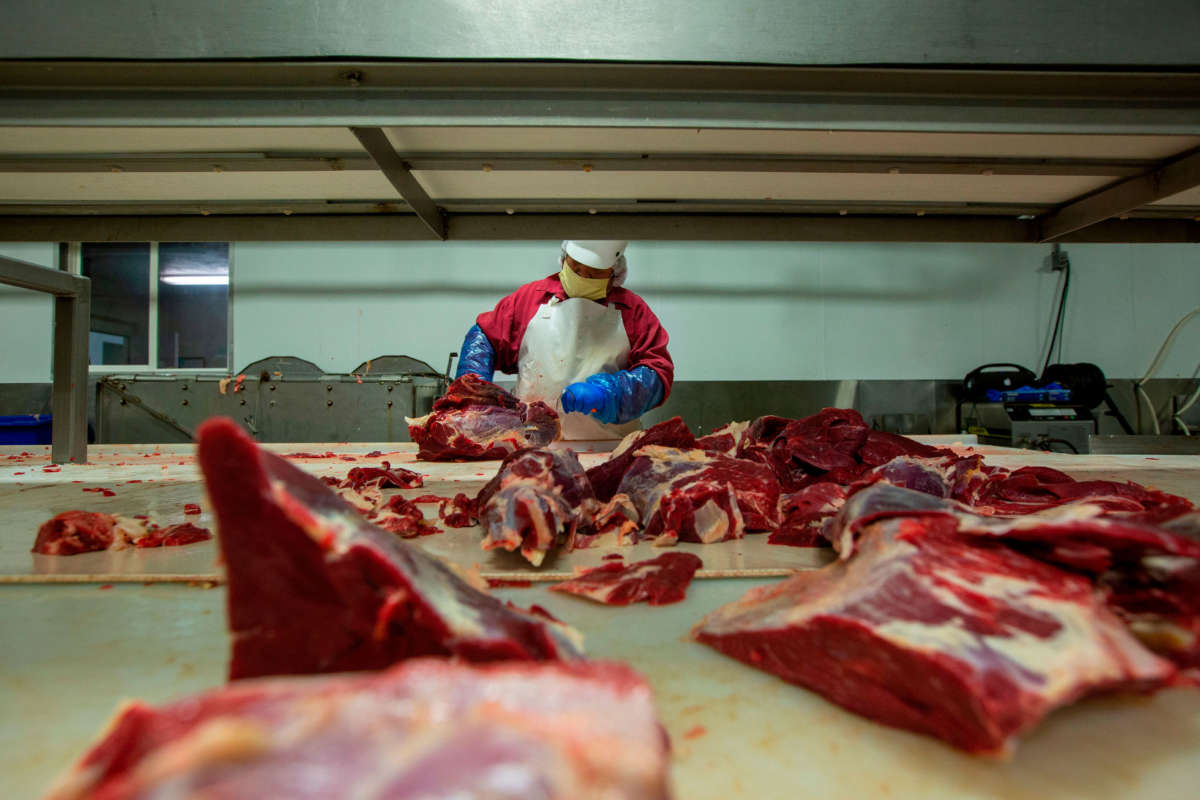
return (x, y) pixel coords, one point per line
(158, 305)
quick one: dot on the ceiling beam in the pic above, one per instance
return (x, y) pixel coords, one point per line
(1173, 177)
(365, 93)
(394, 168)
(576, 162)
(518, 227)
(363, 76)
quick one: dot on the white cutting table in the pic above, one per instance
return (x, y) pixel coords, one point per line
(77, 640)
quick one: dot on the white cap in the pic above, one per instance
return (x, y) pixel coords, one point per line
(597, 254)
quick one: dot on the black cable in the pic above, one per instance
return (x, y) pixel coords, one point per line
(1043, 443)
(1060, 313)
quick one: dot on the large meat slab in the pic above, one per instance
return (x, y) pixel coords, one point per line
(424, 729)
(477, 419)
(313, 587)
(694, 496)
(928, 630)
(537, 500)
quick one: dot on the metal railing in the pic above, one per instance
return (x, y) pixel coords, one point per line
(72, 317)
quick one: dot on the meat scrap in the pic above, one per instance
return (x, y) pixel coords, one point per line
(314, 587)
(427, 728)
(402, 517)
(693, 496)
(458, 511)
(615, 524)
(536, 501)
(658, 581)
(385, 477)
(173, 536)
(74, 532)
(476, 419)
(923, 629)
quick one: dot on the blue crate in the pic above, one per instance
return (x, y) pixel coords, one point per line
(25, 429)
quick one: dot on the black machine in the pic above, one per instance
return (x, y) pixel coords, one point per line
(1046, 413)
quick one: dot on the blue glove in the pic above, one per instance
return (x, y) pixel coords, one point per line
(586, 398)
(476, 355)
(615, 397)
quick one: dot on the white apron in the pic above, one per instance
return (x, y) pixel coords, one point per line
(567, 341)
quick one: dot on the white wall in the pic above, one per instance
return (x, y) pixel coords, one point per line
(740, 311)
(25, 320)
(735, 311)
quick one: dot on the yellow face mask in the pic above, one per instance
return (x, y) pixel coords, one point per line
(578, 286)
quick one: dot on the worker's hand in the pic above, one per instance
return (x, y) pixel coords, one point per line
(587, 398)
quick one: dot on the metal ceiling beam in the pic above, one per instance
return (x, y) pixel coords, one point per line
(1175, 176)
(365, 76)
(369, 94)
(376, 143)
(575, 162)
(540, 205)
(523, 226)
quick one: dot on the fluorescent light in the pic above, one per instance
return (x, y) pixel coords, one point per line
(196, 280)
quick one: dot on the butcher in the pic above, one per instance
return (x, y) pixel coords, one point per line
(579, 341)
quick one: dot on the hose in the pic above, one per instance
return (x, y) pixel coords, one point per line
(1159, 357)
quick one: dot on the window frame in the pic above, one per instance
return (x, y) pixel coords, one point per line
(74, 258)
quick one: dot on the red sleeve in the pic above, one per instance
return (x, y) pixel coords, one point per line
(504, 326)
(647, 337)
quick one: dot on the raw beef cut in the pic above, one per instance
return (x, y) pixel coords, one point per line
(923, 629)
(384, 477)
(606, 476)
(725, 439)
(74, 532)
(476, 419)
(173, 536)
(536, 501)
(803, 515)
(693, 496)
(430, 728)
(313, 587)
(1149, 575)
(613, 524)
(403, 518)
(834, 446)
(1082, 535)
(659, 581)
(363, 488)
(1033, 488)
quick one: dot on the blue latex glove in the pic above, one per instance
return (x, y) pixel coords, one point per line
(615, 397)
(586, 398)
(476, 355)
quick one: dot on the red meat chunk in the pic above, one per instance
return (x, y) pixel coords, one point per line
(73, 532)
(930, 631)
(536, 501)
(479, 420)
(173, 536)
(384, 477)
(313, 587)
(606, 477)
(658, 581)
(428, 728)
(694, 496)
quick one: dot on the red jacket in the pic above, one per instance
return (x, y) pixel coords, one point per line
(505, 326)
